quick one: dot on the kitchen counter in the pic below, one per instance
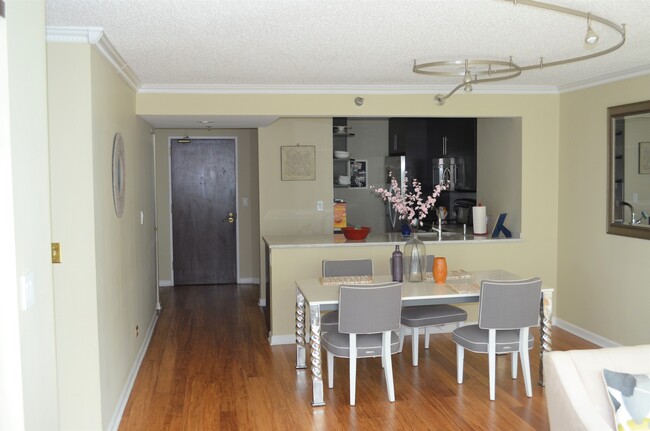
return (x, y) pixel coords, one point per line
(388, 239)
(292, 257)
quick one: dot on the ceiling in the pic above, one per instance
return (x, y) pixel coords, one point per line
(356, 47)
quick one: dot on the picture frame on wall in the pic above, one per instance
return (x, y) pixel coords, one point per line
(298, 163)
(359, 174)
(644, 157)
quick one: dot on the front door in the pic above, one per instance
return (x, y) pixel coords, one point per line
(203, 179)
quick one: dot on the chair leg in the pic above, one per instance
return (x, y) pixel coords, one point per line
(492, 360)
(388, 369)
(414, 345)
(525, 360)
(330, 370)
(402, 332)
(353, 368)
(514, 365)
(427, 335)
(460, 358)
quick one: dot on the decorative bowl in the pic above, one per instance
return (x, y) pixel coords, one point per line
(341, 154)
(355, 233)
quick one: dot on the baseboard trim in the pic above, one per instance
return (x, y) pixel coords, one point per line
(114, 424)
(277, 340)
(251, 280)
(165, 283)
(583, 333)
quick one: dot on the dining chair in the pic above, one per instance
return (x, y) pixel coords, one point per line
(342, 268)
(507, 310)
(368, 320)
(426, 316)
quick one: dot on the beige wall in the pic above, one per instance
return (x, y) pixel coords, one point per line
(499, 170)
(247, 188)
(287, 207)
(602, 279)
(105, 286)
(28, 381)
(125, 248)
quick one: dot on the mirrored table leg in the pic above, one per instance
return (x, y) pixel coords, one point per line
(316, 358)
(546, 344)
(301, 360)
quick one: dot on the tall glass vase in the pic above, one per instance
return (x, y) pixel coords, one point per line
(415, 259)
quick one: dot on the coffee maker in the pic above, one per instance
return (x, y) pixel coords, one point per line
(463, 209)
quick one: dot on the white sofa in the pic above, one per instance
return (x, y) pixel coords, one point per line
(576, 397)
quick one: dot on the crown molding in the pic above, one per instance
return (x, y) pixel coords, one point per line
(605, 79)
(337, 89)
(96, 37)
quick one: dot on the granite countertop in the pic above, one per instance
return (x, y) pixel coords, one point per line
(338, 240)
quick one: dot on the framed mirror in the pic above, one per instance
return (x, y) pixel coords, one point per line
(628, 173)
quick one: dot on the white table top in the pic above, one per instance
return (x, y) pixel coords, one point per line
(316, 293)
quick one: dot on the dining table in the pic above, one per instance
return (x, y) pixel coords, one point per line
(322, 294)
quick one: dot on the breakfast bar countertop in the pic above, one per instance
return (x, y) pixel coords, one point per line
(395, 238)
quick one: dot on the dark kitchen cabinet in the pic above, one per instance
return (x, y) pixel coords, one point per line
(455, 137)
(408, 137)
(422, 140)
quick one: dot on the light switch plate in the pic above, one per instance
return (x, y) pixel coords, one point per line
(319, 206)
(27, 291)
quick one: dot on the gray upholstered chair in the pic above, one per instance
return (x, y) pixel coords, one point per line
(342, 268)
(368, 317)
(507, 309)
(426, 316)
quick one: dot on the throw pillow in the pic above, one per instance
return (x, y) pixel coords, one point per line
(629, 395)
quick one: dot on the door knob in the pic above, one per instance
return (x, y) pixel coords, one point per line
(231, 218)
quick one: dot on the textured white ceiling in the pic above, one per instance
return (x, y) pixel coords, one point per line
(307, 45)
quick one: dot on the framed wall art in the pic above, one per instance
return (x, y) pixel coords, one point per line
(358, 174)
(644, 157)
(298, 163)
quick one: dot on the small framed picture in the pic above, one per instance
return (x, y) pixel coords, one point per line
(358, 174)
(298, 163)
(644, 157)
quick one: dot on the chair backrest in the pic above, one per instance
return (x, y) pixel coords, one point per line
(370, 309)
(348, 267)
(509, 304)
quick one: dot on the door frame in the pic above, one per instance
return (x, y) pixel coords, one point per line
(169, 179)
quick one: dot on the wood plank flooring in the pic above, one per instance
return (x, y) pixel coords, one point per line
(210, 367)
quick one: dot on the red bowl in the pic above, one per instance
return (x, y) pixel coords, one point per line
(355, 233)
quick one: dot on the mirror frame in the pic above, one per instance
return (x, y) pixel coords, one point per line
(614, 113)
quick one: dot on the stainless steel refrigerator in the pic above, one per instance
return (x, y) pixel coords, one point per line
(394, 166)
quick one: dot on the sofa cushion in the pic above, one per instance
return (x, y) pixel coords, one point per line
(629, 395)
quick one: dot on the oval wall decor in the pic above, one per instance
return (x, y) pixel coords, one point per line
(119, 174)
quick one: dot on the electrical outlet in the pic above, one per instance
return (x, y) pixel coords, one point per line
(137, 331)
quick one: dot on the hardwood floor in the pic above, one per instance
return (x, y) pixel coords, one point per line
(209, 367)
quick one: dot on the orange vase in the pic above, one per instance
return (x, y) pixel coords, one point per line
(439, 270)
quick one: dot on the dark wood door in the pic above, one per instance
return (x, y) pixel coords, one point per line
(203, 179)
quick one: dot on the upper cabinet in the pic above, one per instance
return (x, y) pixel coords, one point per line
(422, 140)
(408, 137)
(455, 137)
